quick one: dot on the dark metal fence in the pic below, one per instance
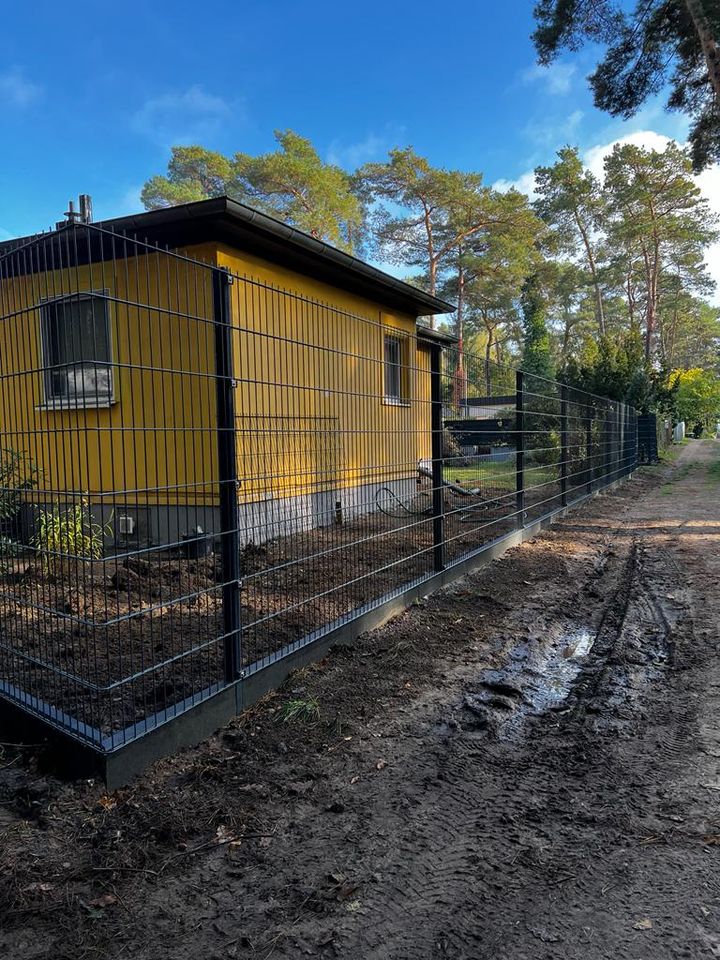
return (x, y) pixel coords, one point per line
(202, 473)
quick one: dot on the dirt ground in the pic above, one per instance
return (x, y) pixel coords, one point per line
(525, 766)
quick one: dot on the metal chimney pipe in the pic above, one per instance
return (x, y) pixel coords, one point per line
(86, 211)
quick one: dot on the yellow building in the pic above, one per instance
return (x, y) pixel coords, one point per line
(112, 344)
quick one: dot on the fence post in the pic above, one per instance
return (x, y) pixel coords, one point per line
(436, 430)
(589, 455)
(227, 475)
(519, 452)
(564, 451)
(608, 441)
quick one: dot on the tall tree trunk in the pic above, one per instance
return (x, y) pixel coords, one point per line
(709, 44)
(630, 290)
(566, 334)
(488, 354)
(652, 300)
(599, 308)
(432, 259)
(459, 319)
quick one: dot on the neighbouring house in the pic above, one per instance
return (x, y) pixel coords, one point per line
(484, 426)
(109, 371)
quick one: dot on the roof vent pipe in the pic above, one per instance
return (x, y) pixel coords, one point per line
(83, 215)
(85, 208)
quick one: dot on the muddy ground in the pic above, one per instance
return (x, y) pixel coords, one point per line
(523, 767)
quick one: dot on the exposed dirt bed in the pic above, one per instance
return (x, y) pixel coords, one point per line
(522, 767)
(131, 639)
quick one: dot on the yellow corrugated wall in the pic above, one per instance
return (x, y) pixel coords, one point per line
(309, 400)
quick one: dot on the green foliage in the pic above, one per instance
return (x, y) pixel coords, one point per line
(536, 355)
(422, 213)
(570, 200)
(300, 710)
(658, 224)
(565, 282)
(439, 220)
(70, 534)
(18, 474)
(697, 396)
(655, 45)
(194, 173)
(615, 367)
(294, 184)
(291, 183)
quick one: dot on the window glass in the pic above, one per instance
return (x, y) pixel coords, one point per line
(393, 368)
(76, 346)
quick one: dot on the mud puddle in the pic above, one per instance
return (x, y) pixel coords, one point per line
(537, 679)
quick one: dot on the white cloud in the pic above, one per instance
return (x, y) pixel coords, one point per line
(189, 116)
(557, 78)
(547, 132)
(525, 183)
(594, 157)
(372, 147)
(352, 155)
(708, 181)
(16, 90)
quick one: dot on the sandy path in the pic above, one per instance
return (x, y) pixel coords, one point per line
(571, 812)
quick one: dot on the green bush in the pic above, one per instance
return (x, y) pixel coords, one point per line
(70, 534)
(18, 474)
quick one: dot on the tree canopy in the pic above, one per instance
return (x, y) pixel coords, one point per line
(655, 44)
(292, 183)
(697, 395)
(602, 282)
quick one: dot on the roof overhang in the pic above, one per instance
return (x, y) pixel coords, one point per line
(429, 336)
(226, 221)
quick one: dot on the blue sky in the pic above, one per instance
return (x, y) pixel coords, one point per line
(92, 96)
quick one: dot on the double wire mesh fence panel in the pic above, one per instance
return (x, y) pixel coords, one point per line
(111, 600)
(203, 472)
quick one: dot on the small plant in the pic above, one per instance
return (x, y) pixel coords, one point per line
(71, 533)
(714, 472)
(300, 710)
(18, 473)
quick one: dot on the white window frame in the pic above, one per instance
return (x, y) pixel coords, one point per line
(89, 400)
(399, 370)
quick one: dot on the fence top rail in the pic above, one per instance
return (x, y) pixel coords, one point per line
(86, 244)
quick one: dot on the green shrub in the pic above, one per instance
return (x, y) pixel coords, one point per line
(70, 534)
(300, 710)
(18, 473)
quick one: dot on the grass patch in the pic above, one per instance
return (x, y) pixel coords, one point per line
(670, 454)
(499, 475)
(713, 472)
(300, 710)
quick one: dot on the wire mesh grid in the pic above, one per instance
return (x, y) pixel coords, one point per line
(202, 472)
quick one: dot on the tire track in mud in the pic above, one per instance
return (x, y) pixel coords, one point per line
(439, 874)
(560, 839)
(477, 873)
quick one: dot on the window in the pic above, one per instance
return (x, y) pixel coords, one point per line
(76, 351)
(394, 371)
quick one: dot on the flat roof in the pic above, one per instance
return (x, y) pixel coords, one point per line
(227, 221)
